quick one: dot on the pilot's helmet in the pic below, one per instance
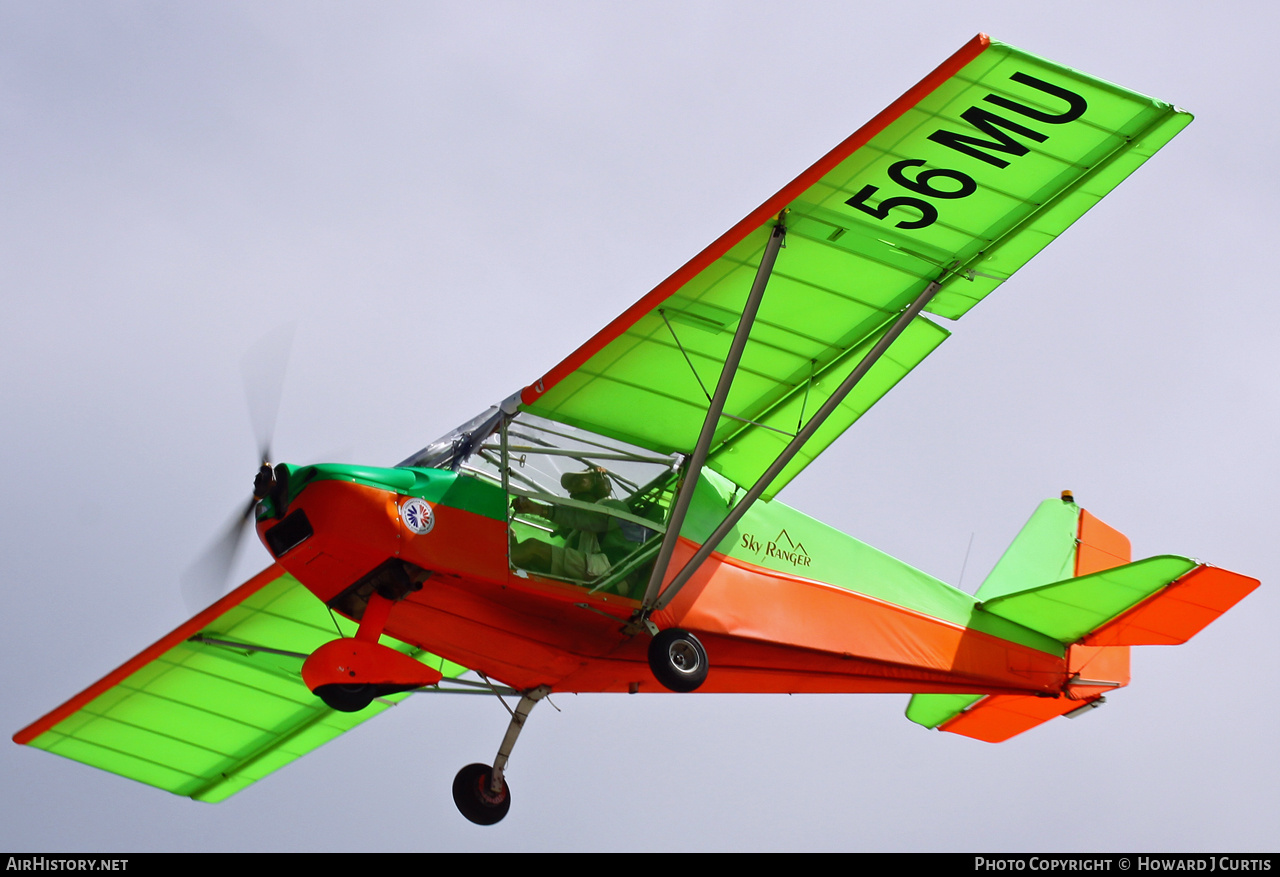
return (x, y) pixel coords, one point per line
(594, 482)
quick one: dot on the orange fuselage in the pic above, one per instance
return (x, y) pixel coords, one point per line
(764, 630)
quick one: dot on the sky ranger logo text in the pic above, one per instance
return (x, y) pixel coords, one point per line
(781, 547)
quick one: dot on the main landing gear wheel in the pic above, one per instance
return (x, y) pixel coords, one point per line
(346, 698)
(678, 660)
(475, 798)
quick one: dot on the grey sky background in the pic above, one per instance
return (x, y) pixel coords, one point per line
(449, 198)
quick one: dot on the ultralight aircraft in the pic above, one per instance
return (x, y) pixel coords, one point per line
(612, 526)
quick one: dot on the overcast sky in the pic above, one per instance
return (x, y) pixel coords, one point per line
(448, 198)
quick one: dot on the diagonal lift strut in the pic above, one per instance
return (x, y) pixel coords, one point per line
(712, 420)
(654, 601)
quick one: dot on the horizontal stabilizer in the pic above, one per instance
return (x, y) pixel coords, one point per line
(995, 718)
(1178, 612)
(1001, 716)
(931, 710)
(1070, 609)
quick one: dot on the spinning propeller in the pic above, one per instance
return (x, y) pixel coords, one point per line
(263, 368)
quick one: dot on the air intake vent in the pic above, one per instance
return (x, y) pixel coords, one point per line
(289, 533)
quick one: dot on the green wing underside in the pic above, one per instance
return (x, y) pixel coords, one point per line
(960, 183)
(205, 720)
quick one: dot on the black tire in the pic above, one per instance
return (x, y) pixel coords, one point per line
(346, 698)
(474, 799)
(678, 660)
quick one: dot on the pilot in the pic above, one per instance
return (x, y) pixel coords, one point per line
(592, 540)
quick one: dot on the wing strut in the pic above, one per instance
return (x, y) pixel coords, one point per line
(712, 420)
(792, 448)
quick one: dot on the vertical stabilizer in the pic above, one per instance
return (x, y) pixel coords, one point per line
(1043, 551)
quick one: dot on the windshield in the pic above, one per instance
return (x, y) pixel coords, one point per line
(541, 452)
(453, 448)
(582, 508)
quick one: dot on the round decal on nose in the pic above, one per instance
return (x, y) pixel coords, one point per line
(417, 515)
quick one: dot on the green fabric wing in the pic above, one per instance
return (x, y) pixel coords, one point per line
(960, 182)
(205, 720)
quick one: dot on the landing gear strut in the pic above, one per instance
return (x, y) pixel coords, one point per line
(348, 673)
(480, 791)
